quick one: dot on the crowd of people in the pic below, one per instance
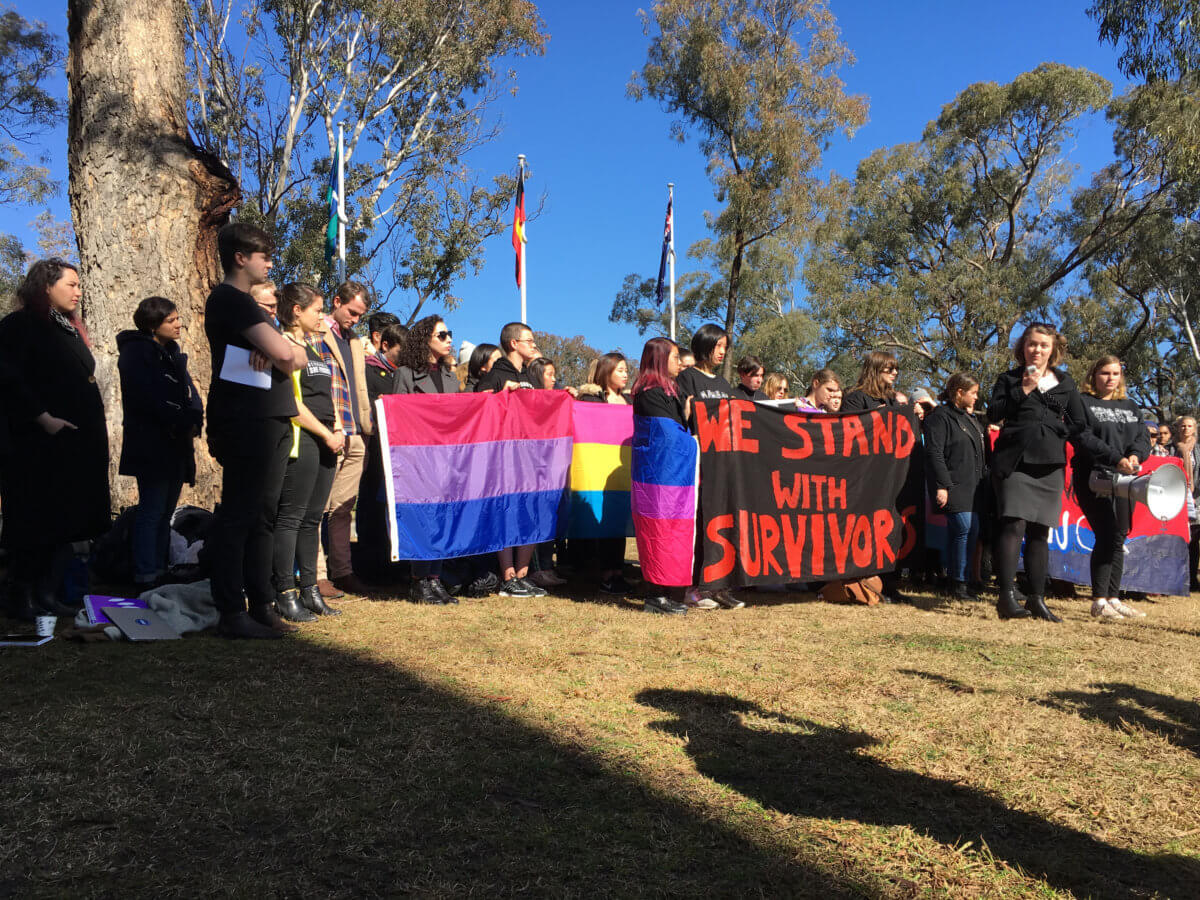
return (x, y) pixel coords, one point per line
(290, 419)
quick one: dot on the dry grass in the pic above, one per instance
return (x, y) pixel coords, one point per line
(552, 747)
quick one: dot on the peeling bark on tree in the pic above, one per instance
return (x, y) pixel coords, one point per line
(145, 201)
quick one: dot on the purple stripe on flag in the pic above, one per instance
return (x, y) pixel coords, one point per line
(475, 471)
(663, 501)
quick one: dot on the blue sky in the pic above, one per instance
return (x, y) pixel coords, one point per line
(604, 161)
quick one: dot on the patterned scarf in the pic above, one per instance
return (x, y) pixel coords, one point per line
(63, 322)
(340, 387)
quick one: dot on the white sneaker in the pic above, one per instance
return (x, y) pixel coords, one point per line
(1125, 609)
(1102, 610)
(699, 599)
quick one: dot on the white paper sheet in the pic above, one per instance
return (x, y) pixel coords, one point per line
(238, 370)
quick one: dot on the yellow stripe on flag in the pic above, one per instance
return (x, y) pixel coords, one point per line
(601, 467)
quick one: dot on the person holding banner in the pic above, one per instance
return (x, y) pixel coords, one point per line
(316, 442)
(957, 474)
(776, 386)
(1117, 422)
(750, 378)
(608, 385)
(426, 368)
(709, 345)
(876, 385)
(824, 393)
(1039, 410)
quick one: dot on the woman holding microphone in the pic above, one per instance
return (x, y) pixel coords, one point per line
(1039, 410)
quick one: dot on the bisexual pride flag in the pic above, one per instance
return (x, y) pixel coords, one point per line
(474, 473)
(600, 471)
(666, 472)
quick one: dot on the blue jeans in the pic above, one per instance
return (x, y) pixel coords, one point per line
(152, 526)
(962, 536)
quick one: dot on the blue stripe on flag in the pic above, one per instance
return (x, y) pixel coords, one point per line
(471, 527)
(600, 514)
(664, 452)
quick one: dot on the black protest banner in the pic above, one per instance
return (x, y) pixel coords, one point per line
(793, 496)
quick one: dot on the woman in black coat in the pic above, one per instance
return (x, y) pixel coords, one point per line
(1117, 421)
(1040, 410)
(163, 415)
(955, 471)
(54, 469)
(425, 369)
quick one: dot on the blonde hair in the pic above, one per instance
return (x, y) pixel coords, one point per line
(1107, 360)
(774, 382)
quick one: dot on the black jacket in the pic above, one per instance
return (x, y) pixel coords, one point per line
(1036, 426)
(501, 371)
(162, 409)
(955, 458)
(54, 487)
(408, 382)
(859, 401)
(743, 392)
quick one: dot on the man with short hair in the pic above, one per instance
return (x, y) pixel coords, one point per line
(376, 324)
(250, 409)
(344, 354)
(508, 373)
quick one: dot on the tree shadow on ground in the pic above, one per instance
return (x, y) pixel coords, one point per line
(801, 768)
(200, 767)
(1122, 705)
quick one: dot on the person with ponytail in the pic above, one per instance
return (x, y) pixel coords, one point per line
(53, 438)
(308, 479)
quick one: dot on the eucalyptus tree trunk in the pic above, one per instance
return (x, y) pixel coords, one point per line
(145, 201)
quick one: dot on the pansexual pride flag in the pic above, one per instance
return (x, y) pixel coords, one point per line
(474, 473)
(666, 471)
(600, 471)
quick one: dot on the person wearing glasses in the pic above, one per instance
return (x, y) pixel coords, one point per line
(876, 385)
(511, 372)
(1039, 409)
(426, 367)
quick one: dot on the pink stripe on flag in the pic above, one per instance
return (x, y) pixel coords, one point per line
(665, 549)
(603, 423)
(419, 420)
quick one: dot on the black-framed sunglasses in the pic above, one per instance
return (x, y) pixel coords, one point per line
(889, 369)
(443, 335)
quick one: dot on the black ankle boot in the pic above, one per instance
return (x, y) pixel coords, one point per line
(266, 615)
(288, 604)
(1039, 610)
(46, 602)
(311, 599)
(1008, 608)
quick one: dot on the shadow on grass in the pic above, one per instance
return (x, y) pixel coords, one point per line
(202, 767)
(1120, 705)
(801, 768)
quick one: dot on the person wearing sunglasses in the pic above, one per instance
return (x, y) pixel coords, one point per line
(876, 385)
(426, 367)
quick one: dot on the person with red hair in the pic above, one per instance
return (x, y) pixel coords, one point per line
(53, 438)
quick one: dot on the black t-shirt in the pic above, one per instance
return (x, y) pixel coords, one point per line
(316, 387)
(741, 391)
(656, 403)
(694, 383)
(227, 314)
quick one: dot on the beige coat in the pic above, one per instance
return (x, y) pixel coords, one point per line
(358, 359)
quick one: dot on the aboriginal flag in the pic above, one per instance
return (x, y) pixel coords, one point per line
(518, 231)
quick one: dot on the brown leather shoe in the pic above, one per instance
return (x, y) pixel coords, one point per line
(328, 591)
(352, 585)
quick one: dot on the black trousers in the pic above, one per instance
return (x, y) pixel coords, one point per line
(253, 454)
(1111, 520)
(306, 486)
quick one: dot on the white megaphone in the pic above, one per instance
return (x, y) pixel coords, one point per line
(1163, 491)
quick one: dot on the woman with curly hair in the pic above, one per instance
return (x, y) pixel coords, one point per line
(426, 367)
(53, 438)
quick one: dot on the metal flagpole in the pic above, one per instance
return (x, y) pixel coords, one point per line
(341, 205)
(524, 275)
(671, 252)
